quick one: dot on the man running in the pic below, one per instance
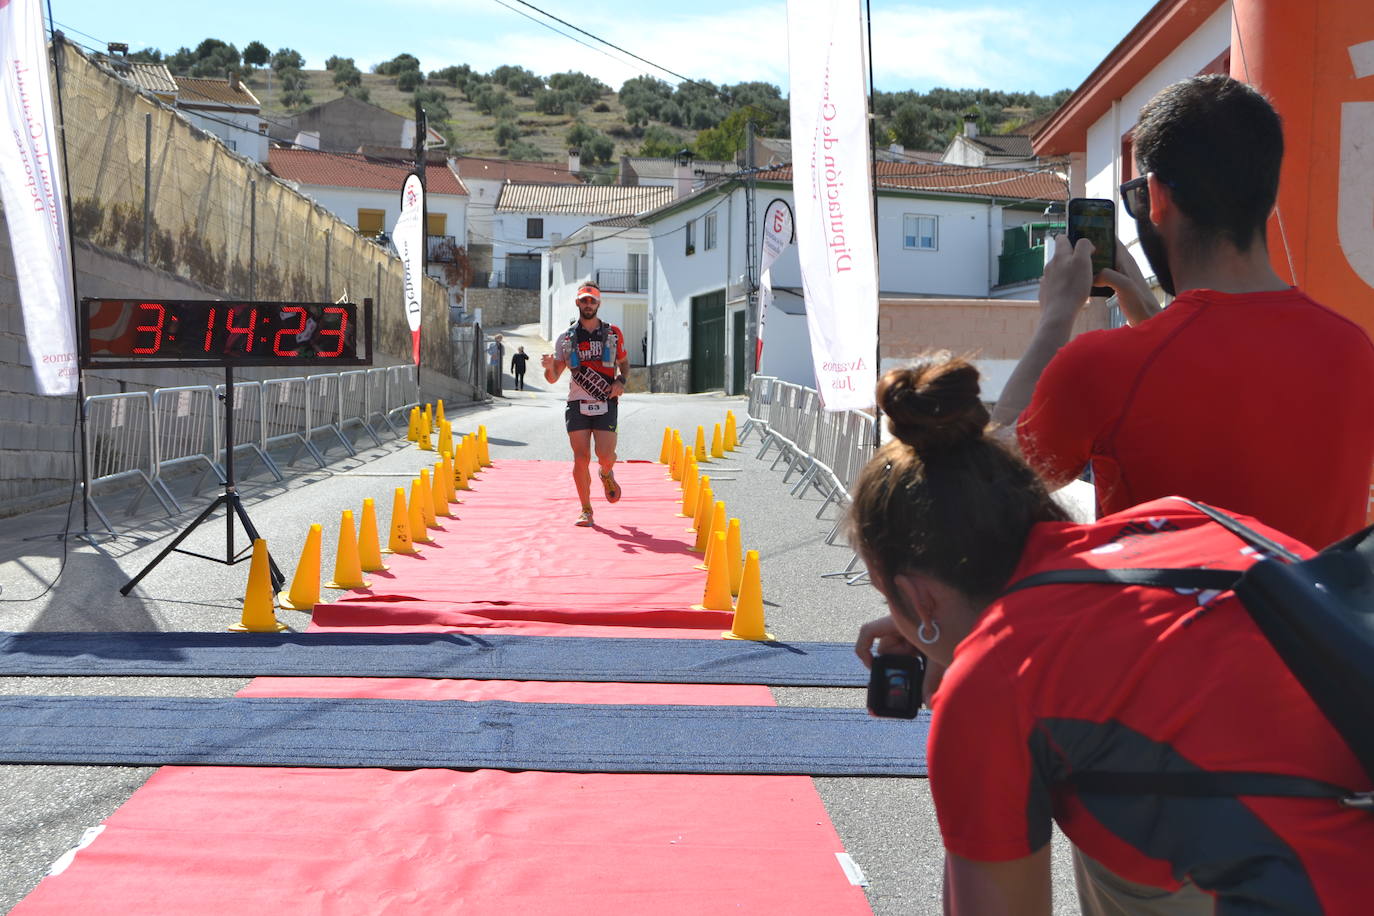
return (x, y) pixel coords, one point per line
(595, 352)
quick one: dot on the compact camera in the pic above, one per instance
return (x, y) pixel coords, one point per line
(896, 686)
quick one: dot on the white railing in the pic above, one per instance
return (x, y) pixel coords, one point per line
(142, 434)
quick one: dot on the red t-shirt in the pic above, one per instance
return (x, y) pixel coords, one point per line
(1066, 678)
(1262, 402)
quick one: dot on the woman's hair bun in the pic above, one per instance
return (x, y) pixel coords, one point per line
(934, 404)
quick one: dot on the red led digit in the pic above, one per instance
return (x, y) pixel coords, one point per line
(342, 330)
(248, 331)
(155, 328)
(209, 329)
(294, 333)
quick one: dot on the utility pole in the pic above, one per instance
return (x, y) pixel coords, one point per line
(751, 307)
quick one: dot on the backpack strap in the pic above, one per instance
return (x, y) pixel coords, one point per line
(1188, 579)
(1245, 533)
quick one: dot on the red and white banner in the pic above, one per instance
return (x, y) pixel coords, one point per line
(778, 233)
(31, 189)
(408, 235)
(833, 196)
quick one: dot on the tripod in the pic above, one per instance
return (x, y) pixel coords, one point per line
(232, 502)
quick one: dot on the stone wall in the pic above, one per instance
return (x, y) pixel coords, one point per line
(503, 308)
(673, 378)
(989, 328)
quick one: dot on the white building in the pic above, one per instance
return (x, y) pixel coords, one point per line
(531, 217)
(227, 109)
(941, 233)
(366, 194)
(484, 179)
(613, 253)
(992, 151)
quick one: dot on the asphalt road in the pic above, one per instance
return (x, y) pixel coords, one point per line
(887, 825)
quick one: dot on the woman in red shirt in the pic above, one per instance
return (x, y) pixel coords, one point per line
(1060, 680)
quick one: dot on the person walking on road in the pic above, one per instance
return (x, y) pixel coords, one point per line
(594, 351)
(496, 358)
(517, 367)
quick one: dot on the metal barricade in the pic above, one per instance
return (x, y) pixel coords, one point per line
(353, 403)
(809, 414)
(120, 443)
(756, 412)
(250, 428)
(323, 408)
(286, 417)
(779, 407)
(402, 391)
(376, 407)
(185, 431)
(789, 422)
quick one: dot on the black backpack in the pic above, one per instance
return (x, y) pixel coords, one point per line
(1319, 616)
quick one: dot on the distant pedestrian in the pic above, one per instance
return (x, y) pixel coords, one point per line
(517, 367)
(496, 359)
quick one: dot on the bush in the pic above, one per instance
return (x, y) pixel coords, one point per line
(287, 59)
(398, 65)
(506, 133)
(346, 75)
(601, 107)
(409, 80)
(335, 62)
(523, 149)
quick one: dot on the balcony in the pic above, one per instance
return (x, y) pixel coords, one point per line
(442, 249)
(611, 280)
(1023, 252)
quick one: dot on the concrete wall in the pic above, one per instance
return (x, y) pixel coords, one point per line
(503, 308)
(991, 328)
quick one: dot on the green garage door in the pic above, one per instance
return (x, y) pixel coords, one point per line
(708, 342)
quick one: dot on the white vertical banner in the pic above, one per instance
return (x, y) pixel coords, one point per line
(31, 190)
(408, 235)
(778, 233)
(833, 196)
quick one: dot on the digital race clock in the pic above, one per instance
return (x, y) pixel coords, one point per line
(137, 333)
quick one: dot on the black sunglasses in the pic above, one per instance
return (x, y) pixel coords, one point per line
(1135, 197)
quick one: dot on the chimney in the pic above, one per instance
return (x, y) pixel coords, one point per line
(682, 173)
(970, 125)
(574, 161)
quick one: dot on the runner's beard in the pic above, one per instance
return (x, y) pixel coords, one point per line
(588, 311)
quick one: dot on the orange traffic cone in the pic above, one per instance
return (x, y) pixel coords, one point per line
(439, 412)
(445, 438)
(748, 622)
(717, 594)
(700, 449)
(413, 432)
(483, 458)
(717, 444)
(460, 476)
(348, 569)
(708, 531)
(257, 614)
(426, 430)
(733, 555)
(714, 556)
(305, 584)
(731, 442)
(705, 501)
(400, 540)
(439, 489)
(427, 500)
(369, 546)
(664, 455)
(450, 479)
(418, 532)
(675, 465)
(690, 492)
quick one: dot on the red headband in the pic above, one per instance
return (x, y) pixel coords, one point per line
(589, 292)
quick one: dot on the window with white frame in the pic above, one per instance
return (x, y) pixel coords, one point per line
(708, 231)
(920, 233)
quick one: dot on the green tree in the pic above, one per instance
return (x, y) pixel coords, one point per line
(434, 103)
(726, 139)
(659, 142)
(292, 80)
(287, 59)
(398, 64)
(256, 54)
(451, 75)
(147, 56)
(409, 80)
(580, 134)
(506, 133)
(526, 151)
(295, 98)
(335, 62)
(347, 75)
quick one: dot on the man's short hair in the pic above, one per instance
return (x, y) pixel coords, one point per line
(1218, 145)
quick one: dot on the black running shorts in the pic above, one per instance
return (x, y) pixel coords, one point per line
(576, 419)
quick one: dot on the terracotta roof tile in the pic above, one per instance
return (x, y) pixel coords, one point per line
(194, 91)
(580, 200)
(351, 170)
(515, 170)
(958, 179)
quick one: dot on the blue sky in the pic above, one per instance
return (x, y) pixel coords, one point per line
(999, 44)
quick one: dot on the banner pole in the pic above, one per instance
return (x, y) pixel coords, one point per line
(57, 37)
(877, 248)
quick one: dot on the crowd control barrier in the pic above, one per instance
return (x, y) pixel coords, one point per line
(140, 435)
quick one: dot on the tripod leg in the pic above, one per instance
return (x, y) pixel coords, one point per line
(219, 501)
(278, 579)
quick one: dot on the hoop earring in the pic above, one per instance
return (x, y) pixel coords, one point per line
(932, 638)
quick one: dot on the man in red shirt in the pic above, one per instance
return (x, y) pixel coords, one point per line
(1244, 392)
(594, 350)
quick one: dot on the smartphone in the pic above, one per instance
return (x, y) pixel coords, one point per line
(896, 686)
(1094, 219)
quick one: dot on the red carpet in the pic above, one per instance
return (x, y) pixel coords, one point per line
(257, 840)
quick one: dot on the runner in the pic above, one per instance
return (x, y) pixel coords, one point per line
(595, 351)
